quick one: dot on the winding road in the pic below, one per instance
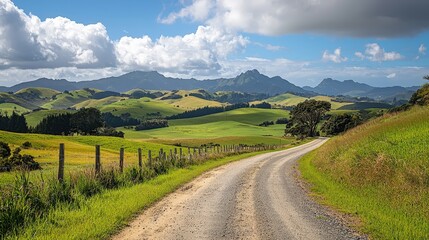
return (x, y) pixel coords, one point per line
(255, 198)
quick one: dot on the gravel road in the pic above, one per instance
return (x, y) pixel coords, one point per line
(255, 198)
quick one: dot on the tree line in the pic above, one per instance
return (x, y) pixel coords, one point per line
(86, 121)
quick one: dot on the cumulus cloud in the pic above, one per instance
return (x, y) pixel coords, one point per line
(28, 42)
(375, 53)
(335, 57)
(392, 75)
(364, 18)
(199, 10)
(196, 53)
(422, 49)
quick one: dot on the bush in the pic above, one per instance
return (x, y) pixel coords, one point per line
(152, 124)
(15, 160)
(337, 124)
(4, 150)
(266, 123)
(27, 145)
(108, 131)
(282, 121)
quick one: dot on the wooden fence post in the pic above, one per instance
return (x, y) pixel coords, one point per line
(61, 163)
(121, 160)
(149, 155)
(140, 158)
(180, 152)
(97, 159)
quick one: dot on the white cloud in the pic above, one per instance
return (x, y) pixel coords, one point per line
(381, 18)
(360, 55)
(199, 10)
(392, 75)
(196, 53)
(375, 53)
(335, 57)
(422, 49)
(28, 42)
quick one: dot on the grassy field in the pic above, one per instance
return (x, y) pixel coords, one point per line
(191, 102)
(138, 108)
(252, 116)
(249, 140)
(66, 100)
(289, 99)
(379, 173)
(34, 118)
(80, 150)
(9, 108)
(208, 130)
(98, 103)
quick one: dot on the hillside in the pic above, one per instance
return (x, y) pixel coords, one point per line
(253, 116)
(288, 100)
(379, 172)
(139, 108)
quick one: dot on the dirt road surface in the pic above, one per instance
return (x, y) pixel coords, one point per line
(255, 198)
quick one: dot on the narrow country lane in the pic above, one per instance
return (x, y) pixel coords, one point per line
(255, 198)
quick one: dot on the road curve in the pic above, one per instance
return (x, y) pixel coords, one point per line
(255, 198)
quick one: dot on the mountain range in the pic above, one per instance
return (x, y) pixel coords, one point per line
(250, 82)
(351, 88)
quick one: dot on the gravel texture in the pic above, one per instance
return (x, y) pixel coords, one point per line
(255, 198)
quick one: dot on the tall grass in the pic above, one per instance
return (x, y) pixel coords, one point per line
(379, 171)
(28, 201)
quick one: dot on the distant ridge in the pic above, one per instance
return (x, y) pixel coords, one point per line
(351, 88)
(251, 82)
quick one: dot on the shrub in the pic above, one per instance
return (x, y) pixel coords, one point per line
(152, 124)
(27, 145)
(282, 121)
(266, 123)
(4, 150)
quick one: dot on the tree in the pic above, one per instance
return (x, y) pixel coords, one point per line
(337, 124)
(305, 117)
(58, 124)
(86, 121)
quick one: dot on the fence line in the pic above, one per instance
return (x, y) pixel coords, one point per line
(198, 154)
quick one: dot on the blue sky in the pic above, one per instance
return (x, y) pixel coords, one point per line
(381, 43)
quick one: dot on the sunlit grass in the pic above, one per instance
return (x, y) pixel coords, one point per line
(380, 172)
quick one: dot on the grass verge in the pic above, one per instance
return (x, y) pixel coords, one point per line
(378, 173)
(104, 214)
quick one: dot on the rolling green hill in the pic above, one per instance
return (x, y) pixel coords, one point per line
(8, 108)
(37, 96)
(11, 98)
(289, 99)
(68, 99)
(253, 116)
(98, 103)
(379, 172)
(138, 108)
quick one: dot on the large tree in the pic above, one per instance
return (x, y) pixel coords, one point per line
(305, 117)
(86, 121)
